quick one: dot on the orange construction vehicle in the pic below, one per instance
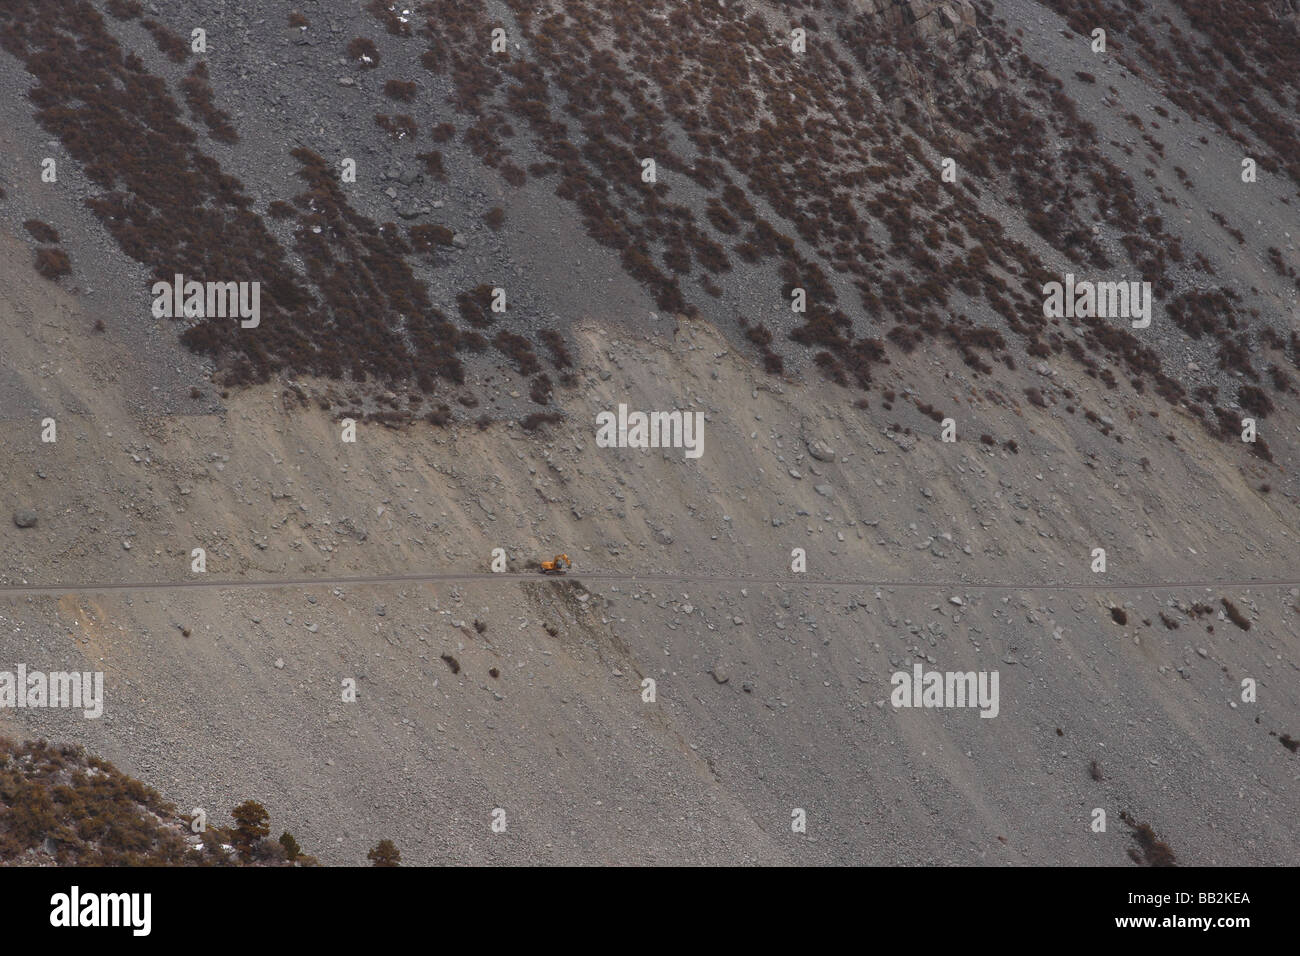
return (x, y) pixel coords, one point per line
(553, 566)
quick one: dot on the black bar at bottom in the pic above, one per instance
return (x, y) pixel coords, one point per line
(334, 905)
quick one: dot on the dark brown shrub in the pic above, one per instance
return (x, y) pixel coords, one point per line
(40, 231)
(433, 164)
(519, 350)
(1234, 614)
(427, 238)
(173, 47)
(554, 342)
(537, 419)
(384, 11)
(1150, 850)
(202, 103)
(512, 174)
(125, 9)
(403, 90)
(53, 263)
(399, 127)
(250, 827)
(475, 306)
(363, 52)
(1254, 400)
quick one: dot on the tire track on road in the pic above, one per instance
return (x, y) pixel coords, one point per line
(514, 577)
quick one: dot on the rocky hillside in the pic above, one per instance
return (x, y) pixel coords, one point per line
(60, 806)
(828, 228)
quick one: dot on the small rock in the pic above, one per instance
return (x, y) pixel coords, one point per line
(820, 450)
(279, 663)
(25, 518)
(720, 674)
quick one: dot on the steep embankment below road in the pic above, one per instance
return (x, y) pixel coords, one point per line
(768, 698)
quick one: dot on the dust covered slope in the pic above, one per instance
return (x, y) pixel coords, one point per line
(617, 204)
(769, 697)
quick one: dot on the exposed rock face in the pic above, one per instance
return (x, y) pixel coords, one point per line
(1287, 10)
(948, 25)
(927, 17)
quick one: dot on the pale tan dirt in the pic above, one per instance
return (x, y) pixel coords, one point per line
(586, 771)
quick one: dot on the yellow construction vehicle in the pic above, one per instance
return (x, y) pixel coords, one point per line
(553, 566)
